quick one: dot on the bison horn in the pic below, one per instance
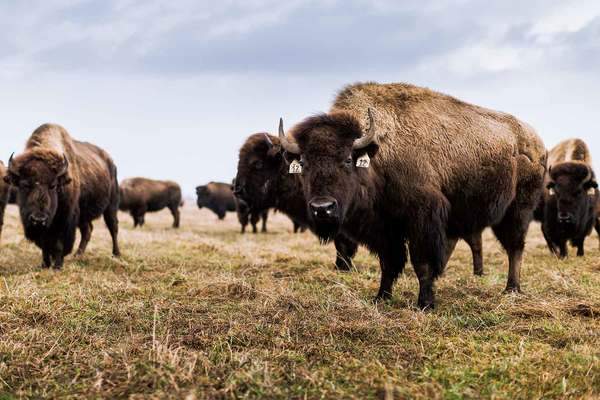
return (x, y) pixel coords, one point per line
(269, 141)
(589, 175)
(289, 146)
(10, 164)
(368, 137)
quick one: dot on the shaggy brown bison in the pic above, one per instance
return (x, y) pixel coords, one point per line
(62, 184)
(263, 182)
(569, 206)
(4, 194)
(141, 195)
(424, 169)
(217, 197)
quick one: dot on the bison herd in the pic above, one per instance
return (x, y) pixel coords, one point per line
(400, 169)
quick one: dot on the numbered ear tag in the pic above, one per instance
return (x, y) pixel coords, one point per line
(592, 192)
(363, 162)
(295, 167)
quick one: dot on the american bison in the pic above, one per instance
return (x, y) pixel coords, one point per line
(63, 184)
(142, 195)
(4, 194)
(217, 197)
(568, 209)
(263, 181)
(423, 169)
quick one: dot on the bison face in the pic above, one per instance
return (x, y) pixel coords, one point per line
(331, 150)
(572, 191)
(259, 165)
(39, 184)
(203, 196)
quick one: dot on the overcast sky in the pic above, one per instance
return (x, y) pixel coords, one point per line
(172, 88)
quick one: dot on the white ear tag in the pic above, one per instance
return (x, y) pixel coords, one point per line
(295, 167)
(364, 161)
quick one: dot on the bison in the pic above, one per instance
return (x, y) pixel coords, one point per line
(424, 169)
(63, 184)
(263, 181)
(4, 195)
(569, 206)
(217, 197)
(142, 195)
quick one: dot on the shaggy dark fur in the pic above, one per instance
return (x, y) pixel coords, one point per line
(217, 197)
(142, 195)
(568, 209)
(63, 184)
(263, 182)
(441, 169)
(4, 194)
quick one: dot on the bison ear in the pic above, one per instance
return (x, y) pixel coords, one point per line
(591, 184)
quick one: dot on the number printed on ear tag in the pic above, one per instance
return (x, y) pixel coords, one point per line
(363, 162)
(295, 167)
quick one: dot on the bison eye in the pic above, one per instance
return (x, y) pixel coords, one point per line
(258, 165)
(348, 162)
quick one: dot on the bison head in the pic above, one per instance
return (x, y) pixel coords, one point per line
(572, 190)
(332, 151)
(203, 196)
(259, 165)
(40, 178)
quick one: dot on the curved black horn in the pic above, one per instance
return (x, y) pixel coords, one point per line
(289, 146)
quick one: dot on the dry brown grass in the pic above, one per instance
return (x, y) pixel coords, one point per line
(206, 313)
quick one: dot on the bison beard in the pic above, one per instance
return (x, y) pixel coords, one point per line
(63, 184)
(440, 170)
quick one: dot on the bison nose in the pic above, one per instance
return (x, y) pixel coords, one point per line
(564, 217)
(323, 207)
(38, 219)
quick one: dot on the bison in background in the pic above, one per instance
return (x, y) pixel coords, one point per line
(217, 197)
(142, 195)
(569, 207)
(246, 214)
(263, 181)
(4, 195)
(423, 170)
(63, 184)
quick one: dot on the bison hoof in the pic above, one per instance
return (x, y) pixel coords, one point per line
(426, 305)
(478, 273)
(513, 289)
(381, 298)
(343, 266)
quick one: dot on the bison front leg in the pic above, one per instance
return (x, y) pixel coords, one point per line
(265, 217)
(345, 251)
(59, 254)
(254, 218)
(176, 215)
(46, 258)
(598, 230)
(579, 243)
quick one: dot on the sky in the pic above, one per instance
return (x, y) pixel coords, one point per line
(172, 88)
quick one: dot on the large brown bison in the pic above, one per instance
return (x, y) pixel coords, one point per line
(63, 184)
(142, 195)
(263, 182)
(569, 206)
(4, 194)
(425, 169)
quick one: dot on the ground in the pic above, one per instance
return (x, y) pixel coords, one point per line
(203, 312)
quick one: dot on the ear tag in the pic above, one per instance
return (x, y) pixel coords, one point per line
(591, 192)
(295, 167)
(551, 192)
(364, 161)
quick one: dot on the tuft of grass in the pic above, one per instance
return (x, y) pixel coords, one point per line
(205, 313)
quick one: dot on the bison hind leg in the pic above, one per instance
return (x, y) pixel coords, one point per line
(112, 223)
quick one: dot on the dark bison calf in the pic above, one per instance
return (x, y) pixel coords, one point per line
(217, 197)
(141, 195)
(247, 215)
(568, 209)
(62, 184)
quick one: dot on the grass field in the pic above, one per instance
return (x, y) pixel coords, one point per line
(204, 312)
